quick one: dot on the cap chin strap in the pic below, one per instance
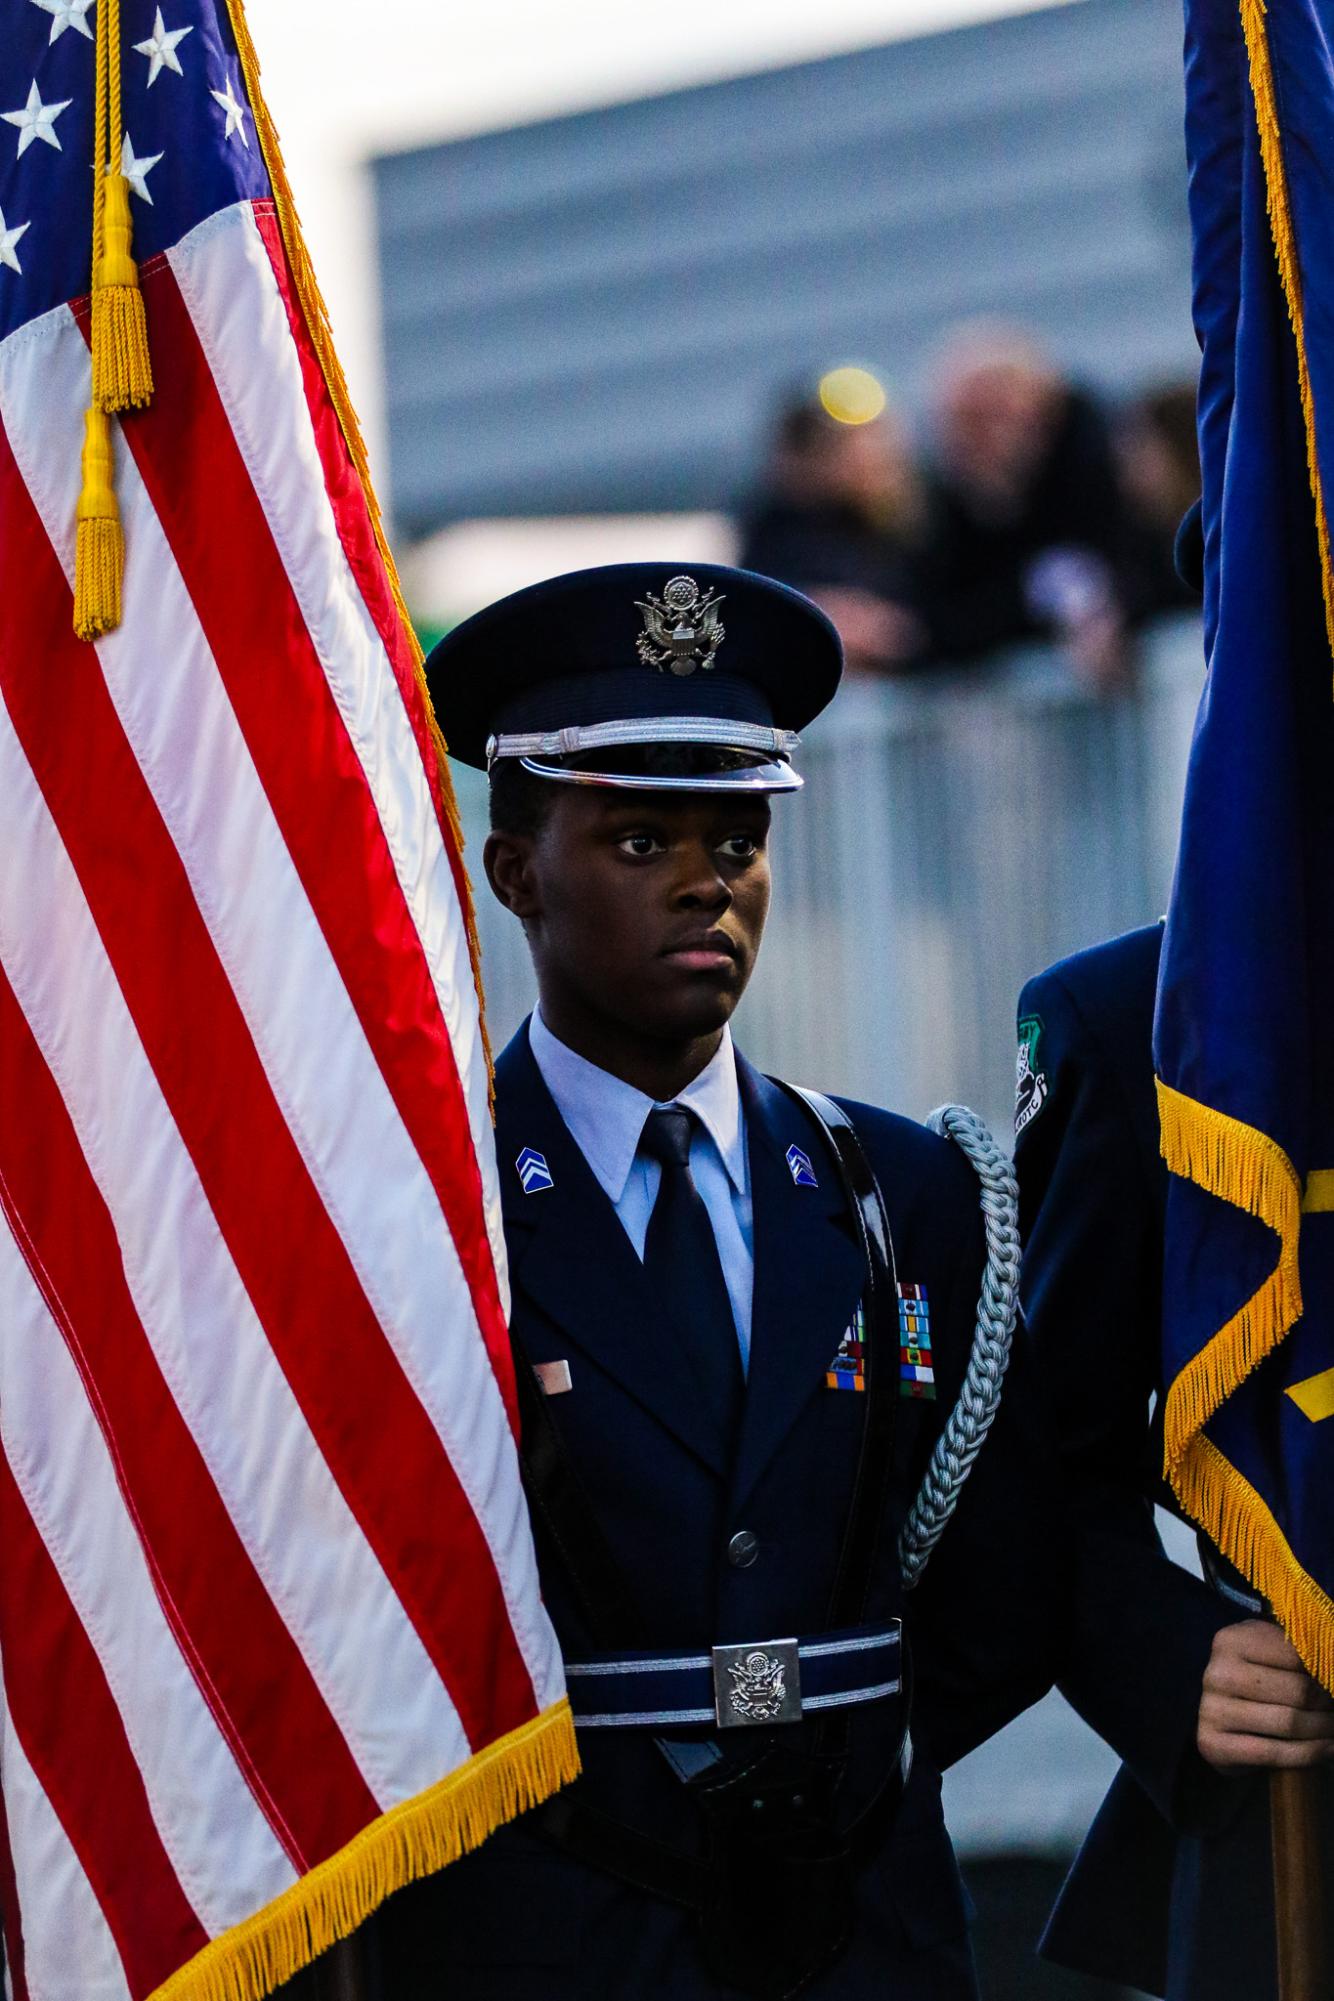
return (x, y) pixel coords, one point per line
(709, 731)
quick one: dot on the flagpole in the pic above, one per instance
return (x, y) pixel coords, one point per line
(1299, 1917)
(342, 1972)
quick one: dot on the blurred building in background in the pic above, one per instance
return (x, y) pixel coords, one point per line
(609, 336)
(598, 314)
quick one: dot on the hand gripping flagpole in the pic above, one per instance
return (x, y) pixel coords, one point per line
(997, 1310)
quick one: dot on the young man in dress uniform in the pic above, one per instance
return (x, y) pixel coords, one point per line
(1172, 1890)
(726, 1411)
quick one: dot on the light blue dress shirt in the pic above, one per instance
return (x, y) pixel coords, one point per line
(606, 1119)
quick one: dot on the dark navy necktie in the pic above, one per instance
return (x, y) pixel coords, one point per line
(683, 1266)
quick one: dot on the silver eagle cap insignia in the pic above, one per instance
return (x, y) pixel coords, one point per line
(682, 630)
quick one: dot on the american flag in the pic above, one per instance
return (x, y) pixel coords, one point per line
(270, 1634)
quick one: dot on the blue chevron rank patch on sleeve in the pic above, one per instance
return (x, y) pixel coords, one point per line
(533, 1171)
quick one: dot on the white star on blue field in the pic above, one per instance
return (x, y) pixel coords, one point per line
(183, 147)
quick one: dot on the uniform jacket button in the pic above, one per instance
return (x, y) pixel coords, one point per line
(743, 1549)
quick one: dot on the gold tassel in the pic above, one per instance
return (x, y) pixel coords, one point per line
(122, 377)
(99, 553)
(122, 371)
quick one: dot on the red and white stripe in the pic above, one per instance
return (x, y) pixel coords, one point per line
(255, 1406)
(62, 1917)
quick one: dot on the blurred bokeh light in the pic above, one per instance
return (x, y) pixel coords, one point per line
(852, 395)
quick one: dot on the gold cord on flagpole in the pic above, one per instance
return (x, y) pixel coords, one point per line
(122, 371)
(99, 546)
(121, 376)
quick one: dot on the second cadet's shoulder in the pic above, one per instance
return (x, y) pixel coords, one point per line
(1109, 986)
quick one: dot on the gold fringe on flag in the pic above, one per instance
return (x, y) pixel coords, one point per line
(316, 316)
(410, 1841)
(1253, 14)
(1241, 1165)
(1239, 1521)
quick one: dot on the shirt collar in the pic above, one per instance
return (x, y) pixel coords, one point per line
(715, 1100)
(606, 1116)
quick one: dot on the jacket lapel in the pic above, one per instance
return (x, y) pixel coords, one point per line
(569, 1255)
(809, 1273)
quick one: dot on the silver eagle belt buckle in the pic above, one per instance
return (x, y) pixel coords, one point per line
(757, 1685)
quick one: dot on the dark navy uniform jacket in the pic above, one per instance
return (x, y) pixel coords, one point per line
(522, 1918)
(1171, 1892)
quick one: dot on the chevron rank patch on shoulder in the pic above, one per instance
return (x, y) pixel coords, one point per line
(533, 1171)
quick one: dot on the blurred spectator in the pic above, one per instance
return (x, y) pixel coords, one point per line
(841, 515)
(1028, 519)
(1159, 455)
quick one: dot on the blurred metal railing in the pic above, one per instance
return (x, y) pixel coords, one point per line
(954, 837)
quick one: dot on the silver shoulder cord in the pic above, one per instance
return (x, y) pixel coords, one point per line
(997, 1309)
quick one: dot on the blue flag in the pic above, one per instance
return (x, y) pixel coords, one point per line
(1244, 1039)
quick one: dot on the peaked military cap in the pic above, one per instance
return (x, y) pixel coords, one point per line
(651, 675)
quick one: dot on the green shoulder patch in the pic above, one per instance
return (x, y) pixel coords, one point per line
(1030, 1082)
